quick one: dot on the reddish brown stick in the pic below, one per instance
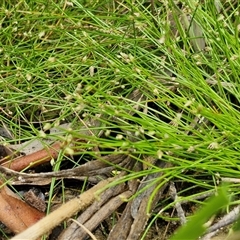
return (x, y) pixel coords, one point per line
(14, 213)
(34, 159)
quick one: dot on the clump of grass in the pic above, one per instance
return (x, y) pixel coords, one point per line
(62, 62)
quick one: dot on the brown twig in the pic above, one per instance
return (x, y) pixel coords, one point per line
(35, 158)
(94, 214)
(123, 225)
(93, 168)
(67, 210)
(178, 206)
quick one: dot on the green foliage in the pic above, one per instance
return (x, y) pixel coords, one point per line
(65, 61)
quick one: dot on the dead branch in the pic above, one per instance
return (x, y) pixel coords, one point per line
(65, 211)
(122, 228)
(178, 206)
(104, 212)
(73, 229)
(93, 170)
(140, 205)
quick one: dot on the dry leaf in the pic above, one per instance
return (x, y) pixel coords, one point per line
(16, 214)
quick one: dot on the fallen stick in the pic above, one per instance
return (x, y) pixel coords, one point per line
(67, 210)
(94, 214)
(91, 170)
(35, 158)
